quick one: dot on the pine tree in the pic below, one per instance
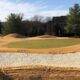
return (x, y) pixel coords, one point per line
(73, 20)
(14, 24)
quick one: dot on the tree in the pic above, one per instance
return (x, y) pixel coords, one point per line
(58, 24)
(14, 24)
(73, 20)
(37, 18)
(1, 26)
(36, 26)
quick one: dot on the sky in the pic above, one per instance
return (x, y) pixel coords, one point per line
(30, 8)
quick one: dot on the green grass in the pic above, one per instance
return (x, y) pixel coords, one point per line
(47, 43)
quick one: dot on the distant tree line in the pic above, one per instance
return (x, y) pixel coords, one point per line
(68, 25)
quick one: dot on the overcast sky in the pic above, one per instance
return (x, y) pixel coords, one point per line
(35, 7)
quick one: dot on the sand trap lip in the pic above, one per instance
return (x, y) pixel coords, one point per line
(60, 60)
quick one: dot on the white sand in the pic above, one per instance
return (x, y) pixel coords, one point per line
(18, 59)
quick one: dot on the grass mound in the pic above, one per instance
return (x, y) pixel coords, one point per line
(47, 36)
(14, 35)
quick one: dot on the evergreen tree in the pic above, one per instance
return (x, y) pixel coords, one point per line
(14, 24)
(73, 20)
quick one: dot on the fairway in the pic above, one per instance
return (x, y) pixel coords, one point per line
(43, 43)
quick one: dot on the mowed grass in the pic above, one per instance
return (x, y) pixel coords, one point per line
(43, 43)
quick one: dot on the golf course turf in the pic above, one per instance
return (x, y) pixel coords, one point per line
(43, 43)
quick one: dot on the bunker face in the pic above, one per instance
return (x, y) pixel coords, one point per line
(18, 59)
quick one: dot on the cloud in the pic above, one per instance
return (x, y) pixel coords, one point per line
(51, 13)
(28, 9)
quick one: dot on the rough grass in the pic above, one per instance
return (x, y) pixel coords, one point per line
(42, 73)
(43, 44)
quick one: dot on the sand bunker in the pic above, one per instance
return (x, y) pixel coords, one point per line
(59, 60)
